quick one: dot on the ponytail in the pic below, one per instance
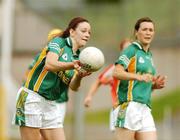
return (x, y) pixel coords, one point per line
(54, 33)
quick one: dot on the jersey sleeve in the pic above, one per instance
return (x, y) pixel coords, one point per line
(125, 56)
(56, 45)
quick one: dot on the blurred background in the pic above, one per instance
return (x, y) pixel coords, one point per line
(23, 33)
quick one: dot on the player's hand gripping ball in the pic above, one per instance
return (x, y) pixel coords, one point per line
(91, 58)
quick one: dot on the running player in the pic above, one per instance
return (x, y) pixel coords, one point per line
(106, 78)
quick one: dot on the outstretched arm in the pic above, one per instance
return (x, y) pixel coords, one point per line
(93, 89)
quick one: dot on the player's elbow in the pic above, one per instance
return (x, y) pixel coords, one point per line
(74, 88)
(119, 72)
(115, 74)
(48, 67)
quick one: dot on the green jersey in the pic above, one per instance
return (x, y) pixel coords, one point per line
(52, 85)
(135, 60)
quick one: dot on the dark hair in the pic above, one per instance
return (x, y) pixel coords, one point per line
(73, 25)
(139, 21)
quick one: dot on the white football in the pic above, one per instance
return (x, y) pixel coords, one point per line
(91, 58)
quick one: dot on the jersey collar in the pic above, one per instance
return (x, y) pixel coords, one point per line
(69, 44)
(137, 44)
(69, 41)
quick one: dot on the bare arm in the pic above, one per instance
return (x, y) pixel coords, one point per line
(52, 63)
(121, 74)
(76, 80)
(93, 90)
